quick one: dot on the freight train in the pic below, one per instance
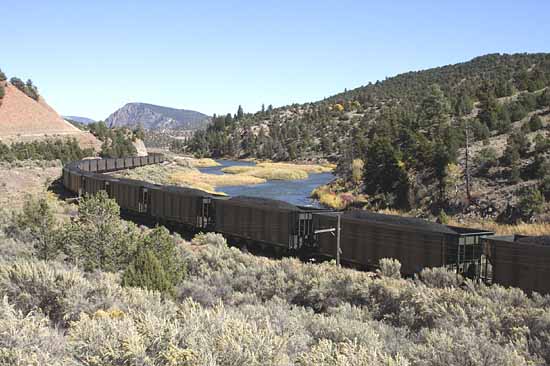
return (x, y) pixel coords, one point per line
(356, 238)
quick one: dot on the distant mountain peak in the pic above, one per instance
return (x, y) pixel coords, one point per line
(79, 119)
(151, 116)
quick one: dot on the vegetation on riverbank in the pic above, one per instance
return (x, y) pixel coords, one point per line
(225, 307)
(187, 177)
(278, 171)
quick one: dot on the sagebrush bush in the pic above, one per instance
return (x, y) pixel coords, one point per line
(440, 277)
(389, 267)
(233, 308)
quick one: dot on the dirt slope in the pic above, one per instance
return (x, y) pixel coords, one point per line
(24, 119)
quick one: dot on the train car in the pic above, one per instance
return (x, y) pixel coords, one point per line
(191, 207)
(367, 237)
(102, 165)
(93, 165)
(131, 195)
(264, 220)
(92, 183)
(128, 162)
(520, 261)
(119, 163)
(143, 160)
(84, 165)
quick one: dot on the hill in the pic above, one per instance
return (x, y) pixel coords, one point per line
(83, 120)
(24, 119)
(156, 117)
(402, 142)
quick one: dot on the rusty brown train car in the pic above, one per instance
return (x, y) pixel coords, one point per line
(520, 261)
(265, 220)
(367, 237)
(186, 206)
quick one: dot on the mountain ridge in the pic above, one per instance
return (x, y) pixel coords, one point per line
(152, 116)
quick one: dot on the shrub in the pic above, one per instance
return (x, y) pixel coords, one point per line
(545, 186)
(214, 239)
(2, 76)
(486, 159)
(37, 224)
(146, 271)
(531, 202)
(164, 250)
(357, 170)
(389, 267)
(443, 218)
(440, 277)
(99, 239)
(535, 123)
(2, 91)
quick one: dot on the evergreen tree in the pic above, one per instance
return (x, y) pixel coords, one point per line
(99, 239)
(535, 123)
(31, 90)
(2, 91)
(18, 83)
(240, 113)
(37, 219)
(2, 76)
(146, 271)
(434, 110)
(544, 99)
(384, 171)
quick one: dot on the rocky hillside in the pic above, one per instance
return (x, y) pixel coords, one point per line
(402, 142)
(156, 117)
(25, 118)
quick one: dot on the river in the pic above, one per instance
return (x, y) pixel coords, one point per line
(296, 192)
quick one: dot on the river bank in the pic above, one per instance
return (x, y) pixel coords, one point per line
(288, 182)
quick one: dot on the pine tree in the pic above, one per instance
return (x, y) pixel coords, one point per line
(38, 220)
(146, 271)
(240, 113)
(2, 76)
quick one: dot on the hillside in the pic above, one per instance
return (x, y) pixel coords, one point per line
(156, 117)
(407, 136)
(24, 119)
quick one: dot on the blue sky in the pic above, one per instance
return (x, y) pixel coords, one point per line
(88, 58)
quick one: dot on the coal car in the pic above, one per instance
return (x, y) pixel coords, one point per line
(264, 220)
(367, 237)
(520, 261)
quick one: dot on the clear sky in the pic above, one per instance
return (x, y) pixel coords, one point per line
(89, 58)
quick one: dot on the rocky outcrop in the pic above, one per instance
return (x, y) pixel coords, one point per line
(140, 147)
(156, 117)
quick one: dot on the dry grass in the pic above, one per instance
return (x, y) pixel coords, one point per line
(195, 179)
(278, 171)
(204, 163)
(336, 200)
(270, 173)
(187, 177)
(504, 229)
(193, 162)
(308, 168)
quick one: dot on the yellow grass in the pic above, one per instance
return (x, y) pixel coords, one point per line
(204, 163)
(336, 200)
(308, 168)
(194, 162)
(196, 179)
(504, 229)
(279, 171)
(267, 172)
(187, 177)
